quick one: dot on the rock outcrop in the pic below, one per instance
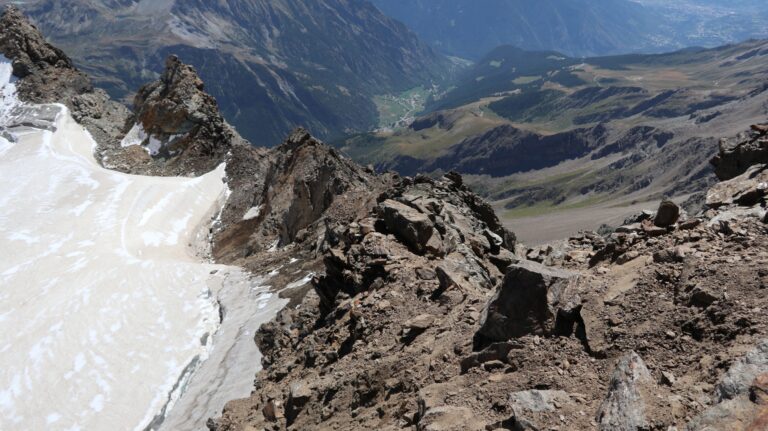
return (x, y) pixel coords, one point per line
(176, 128)
(46, 75)
(531, 300)
(739, 154)
(290, 196)
(624, 409)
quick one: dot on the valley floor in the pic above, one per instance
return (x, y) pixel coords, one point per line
(561, 224)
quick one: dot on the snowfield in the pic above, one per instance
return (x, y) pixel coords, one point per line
(106, 314)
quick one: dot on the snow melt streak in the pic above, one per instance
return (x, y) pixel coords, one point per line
(101, 304)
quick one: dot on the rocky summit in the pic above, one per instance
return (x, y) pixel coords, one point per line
(427, 315)
(175, 129)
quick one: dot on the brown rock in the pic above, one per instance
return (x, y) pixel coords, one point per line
(414, 228)
(758, 392)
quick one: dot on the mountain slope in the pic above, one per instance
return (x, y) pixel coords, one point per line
(577, 27)
(272, 65)
(542, 133)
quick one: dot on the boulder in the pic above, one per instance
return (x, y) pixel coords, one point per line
(530, 300)
(414, 228)
(737, 155)
(667, 215)
(747, 189)
(624, 409)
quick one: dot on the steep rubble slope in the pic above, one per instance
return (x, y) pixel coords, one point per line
(423, 318)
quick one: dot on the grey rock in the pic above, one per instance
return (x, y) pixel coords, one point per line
(738, 379)
(624, 409)
(538, 401)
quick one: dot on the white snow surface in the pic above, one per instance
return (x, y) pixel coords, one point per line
(138, 136)
(252, 213)
(102, 303)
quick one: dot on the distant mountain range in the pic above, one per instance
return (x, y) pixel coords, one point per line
(341, 67)
(469, 29)
(538, 131)
(271, 64)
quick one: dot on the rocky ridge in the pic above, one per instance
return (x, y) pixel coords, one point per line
(424, 317)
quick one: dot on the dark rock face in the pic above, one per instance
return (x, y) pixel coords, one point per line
(529, 301)
(737, 155)
(47, 75)
(290, 194)
(667, 215)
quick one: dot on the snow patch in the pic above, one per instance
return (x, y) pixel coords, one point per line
(135, 136)
(252, 213)
(138, 136)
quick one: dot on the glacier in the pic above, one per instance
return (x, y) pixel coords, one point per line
(109, 319)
